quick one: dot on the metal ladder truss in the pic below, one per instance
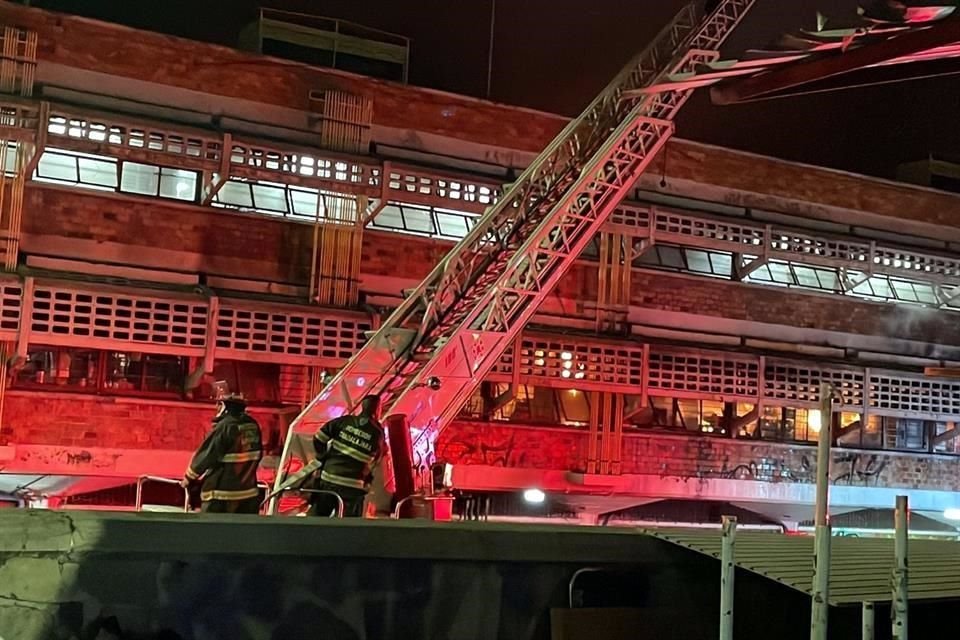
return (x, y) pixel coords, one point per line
(454, 326)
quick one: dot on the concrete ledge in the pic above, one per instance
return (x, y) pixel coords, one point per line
(83, 533)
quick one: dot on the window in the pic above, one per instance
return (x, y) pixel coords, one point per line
(274, 198)
(147, 373)
(77, 169)
(163, 182)
(258, 382)
(425, 221)
(58, 367)
(790, 424)
(108, 372)
(108, 174)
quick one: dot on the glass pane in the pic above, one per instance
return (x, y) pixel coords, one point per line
(389, 218)
(178, 184)
(236, 194)
(269, 198)
(102, 173)
(722, 264)
(761, 274)
(879, 287)
(452, 225)
(139, 178)
(806, 277)
(57, 166)
(698, 261)
(575, 406)
(829, 279)
(904, 291)
(418, 220)
(671, 257)
(304, 202)
(780, 272)
(163, 373)
(925, 293)
(10, 161)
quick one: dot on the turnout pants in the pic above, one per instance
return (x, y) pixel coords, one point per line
(247, 506)
(325, 505)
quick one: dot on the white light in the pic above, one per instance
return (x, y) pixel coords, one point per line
(566, 355)
(952, 513)
(813, 420)
(534, 496)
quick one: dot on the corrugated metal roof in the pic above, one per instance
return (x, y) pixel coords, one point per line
(860, 568)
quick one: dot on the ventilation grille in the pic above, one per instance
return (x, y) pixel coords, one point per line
(798, 385)
(570, 364)
(70, 316)
(133, 136)
(817, 249)
(418, 187)
(292, 335)
(702, 374)
(925, 266)
(11, 305)
(895, 394)
(684, 229)
(262, 162)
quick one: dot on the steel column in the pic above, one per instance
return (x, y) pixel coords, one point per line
(900, 595)
(820, 608)
(727, 573)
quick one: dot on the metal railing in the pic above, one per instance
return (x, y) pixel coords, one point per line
(138, 505)
(277, 494)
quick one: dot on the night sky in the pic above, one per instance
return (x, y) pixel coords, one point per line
(556, 54)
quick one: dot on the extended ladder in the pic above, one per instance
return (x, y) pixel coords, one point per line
(436, 348)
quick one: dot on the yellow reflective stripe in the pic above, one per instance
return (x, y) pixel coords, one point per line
(218, 494)
(333, 478)
(191, 474)
(356, 454)
(246, 456)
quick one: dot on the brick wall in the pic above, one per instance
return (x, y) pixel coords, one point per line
(86, 421)
(774, 305)
(143, 232)
(686, 458)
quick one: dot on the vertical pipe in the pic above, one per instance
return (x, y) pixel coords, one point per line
(726, 577)
(868, 621)
(493, 23)
(821, 580)
(900, 571)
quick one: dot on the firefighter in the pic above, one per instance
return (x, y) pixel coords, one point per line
(227, 460)
(349, 448)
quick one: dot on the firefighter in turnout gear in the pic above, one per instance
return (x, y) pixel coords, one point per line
(349, 447)
(227, 460)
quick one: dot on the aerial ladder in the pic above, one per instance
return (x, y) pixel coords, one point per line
(434, 350)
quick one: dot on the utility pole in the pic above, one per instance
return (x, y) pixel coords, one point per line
(901, 599)
(820, 608)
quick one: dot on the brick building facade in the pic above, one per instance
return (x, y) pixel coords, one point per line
(196, 221)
